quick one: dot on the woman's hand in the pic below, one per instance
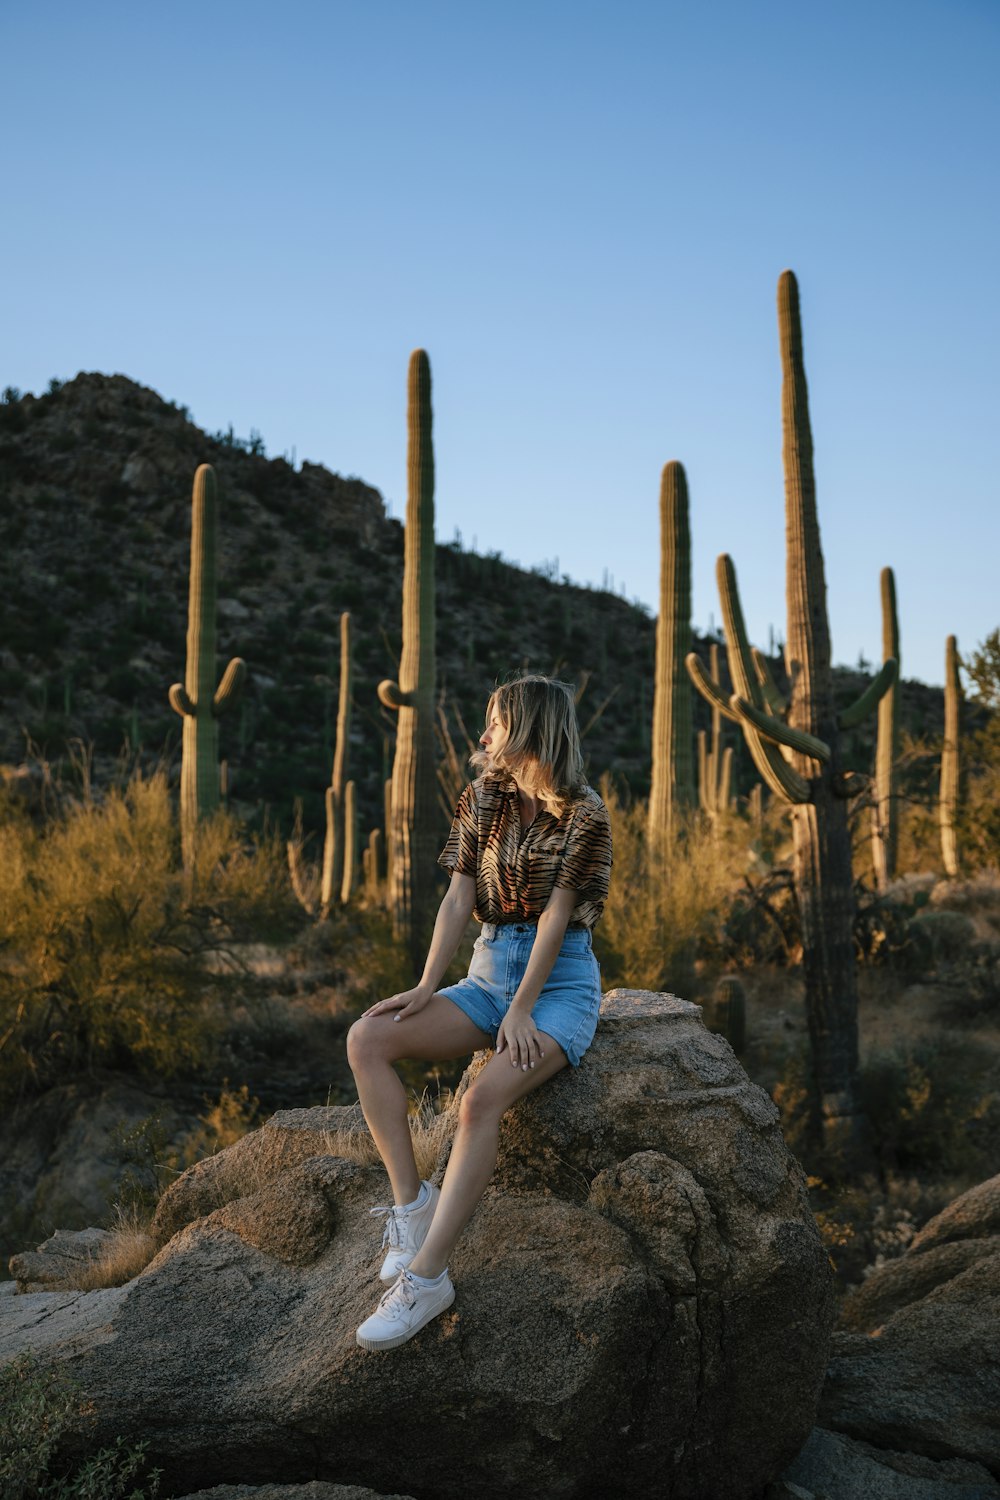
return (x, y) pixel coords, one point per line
(407, 1003)
(521, 1037)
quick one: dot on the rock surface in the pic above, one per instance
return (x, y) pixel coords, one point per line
(919, 1368)
(316, 1490)
(643, 1302)
(840, 1468)
(54, 1266)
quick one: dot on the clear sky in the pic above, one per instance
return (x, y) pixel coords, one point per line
(581, 211)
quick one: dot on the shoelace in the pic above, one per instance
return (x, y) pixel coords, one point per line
(400, 1297)
(392, 1235)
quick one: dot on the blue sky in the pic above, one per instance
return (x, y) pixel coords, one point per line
(581, 211)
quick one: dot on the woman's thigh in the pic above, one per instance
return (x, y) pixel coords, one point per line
(500, 1084)
(435, 1034)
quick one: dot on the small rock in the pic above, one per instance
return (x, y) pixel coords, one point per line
(56, 1264)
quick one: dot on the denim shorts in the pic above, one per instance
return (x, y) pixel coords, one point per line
(567, 1008)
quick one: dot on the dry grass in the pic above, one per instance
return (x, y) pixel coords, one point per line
(128, 1251)
(664, 904)
(431, 1125)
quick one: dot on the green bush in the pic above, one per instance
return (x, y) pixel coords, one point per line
(37, 1409)
(111, 952)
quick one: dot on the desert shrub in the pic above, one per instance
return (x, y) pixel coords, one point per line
(107, 941)
(666, 909)
(931, 1109)
(38, 1408)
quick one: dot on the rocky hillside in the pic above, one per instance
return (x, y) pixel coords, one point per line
(95, 486)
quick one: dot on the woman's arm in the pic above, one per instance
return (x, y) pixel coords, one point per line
(449, 927)
(517, 1030)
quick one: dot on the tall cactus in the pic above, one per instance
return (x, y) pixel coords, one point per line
(885, 811)
(413, 832)
(715, 764)
(334, 844)
(798, 757)
(949, 758)
(197, 700)
(672, 784)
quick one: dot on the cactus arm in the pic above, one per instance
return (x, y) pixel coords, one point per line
(774, 697)
(782, 778)
(778, 732)
(779, 775)
(392, 695)
(707, 687)
(179, 700)
(851, 717)
(230, 689)
(726, 778)
(703, 789)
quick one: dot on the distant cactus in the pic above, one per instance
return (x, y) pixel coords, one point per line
(798, 758)
(950, 758)
(413, 839)
(349, 865)
(727, 1012)
(335, 842)
(672, 785)
(371, 860)
(715, 764)
(198, 701)
(885, 811)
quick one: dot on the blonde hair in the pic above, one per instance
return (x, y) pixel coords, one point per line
(542, 748)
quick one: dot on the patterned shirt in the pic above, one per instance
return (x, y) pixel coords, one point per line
(516, 870)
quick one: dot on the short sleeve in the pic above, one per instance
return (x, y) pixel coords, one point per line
(460, 852)
(586, 864)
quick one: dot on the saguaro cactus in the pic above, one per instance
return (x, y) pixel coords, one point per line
(672, 784)
(197, 700)
(949, 757)
(715, 764)
(334, 844)
(727, 1012)
(799, 757)
(885, 811)
(413, 830)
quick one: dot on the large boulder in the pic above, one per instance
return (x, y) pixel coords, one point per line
(919, 1367)
(643, 1308)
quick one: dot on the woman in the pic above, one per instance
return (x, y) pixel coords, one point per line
(529, 855)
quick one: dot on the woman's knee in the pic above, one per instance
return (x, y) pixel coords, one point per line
(366, 1043)
(477, 1106)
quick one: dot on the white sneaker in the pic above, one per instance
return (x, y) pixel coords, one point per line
(403, 1311)
(405, 1231)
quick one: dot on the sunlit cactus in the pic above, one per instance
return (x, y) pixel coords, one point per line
(371, 863)
(414, 829)
(335, 842)
(949, 758)
(349, 863)
(885, 811)
(672, 786)
(715, 764)
(198, 700)
(799, 756)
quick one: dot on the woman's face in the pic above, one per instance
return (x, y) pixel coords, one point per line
(494, 736)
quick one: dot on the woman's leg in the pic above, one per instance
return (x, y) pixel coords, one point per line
(474, 1152)
(439, 1032)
